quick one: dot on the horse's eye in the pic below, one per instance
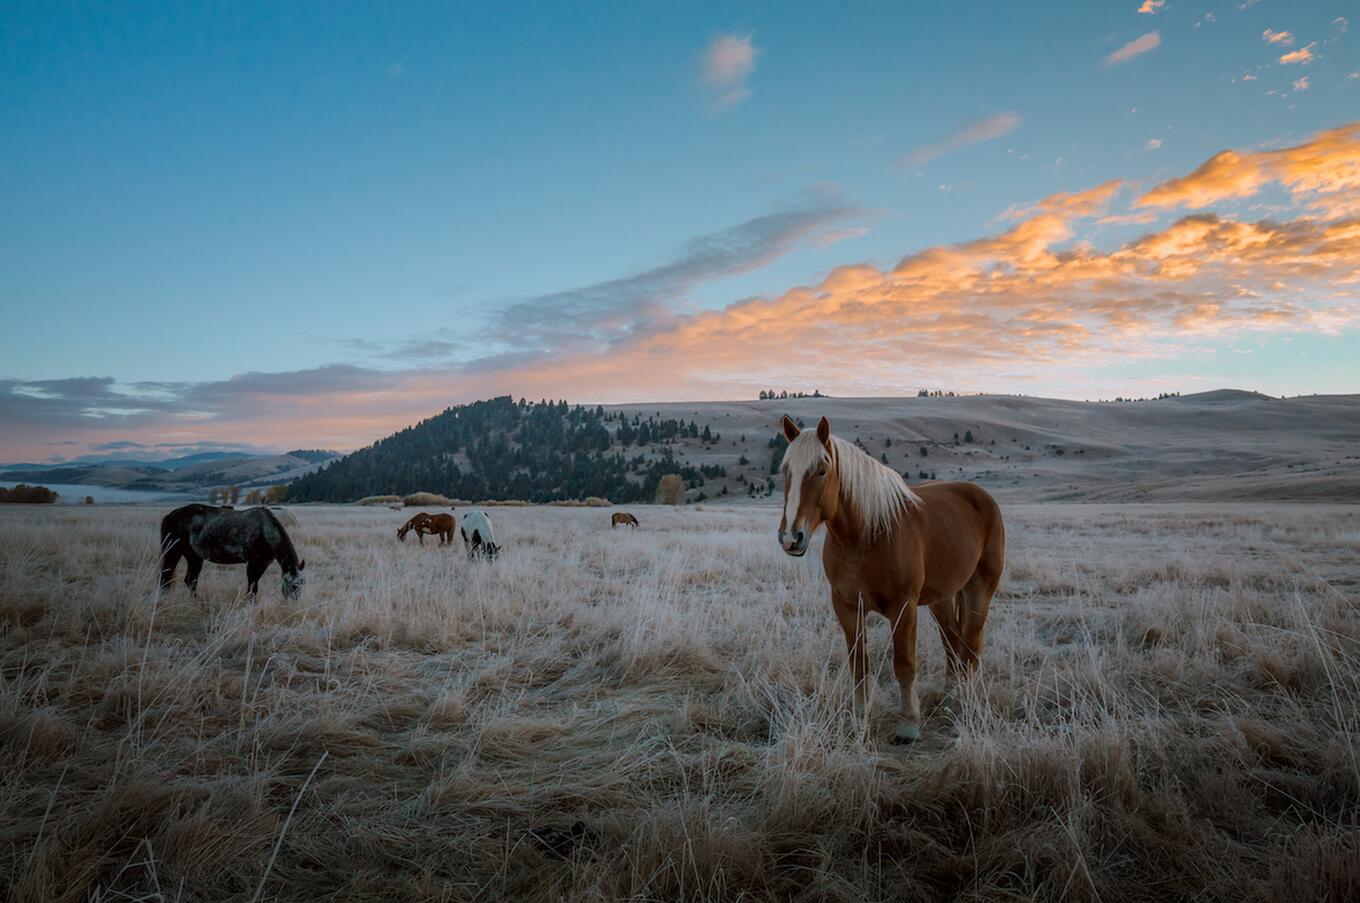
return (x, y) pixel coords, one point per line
(821, 469)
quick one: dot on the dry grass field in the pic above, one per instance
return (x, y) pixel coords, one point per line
(1167, 710)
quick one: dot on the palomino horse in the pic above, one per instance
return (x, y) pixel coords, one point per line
(623, 517)
(889, 549)
(253, 537)
(441, 524)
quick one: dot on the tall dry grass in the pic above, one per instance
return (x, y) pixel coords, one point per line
(1167, 709)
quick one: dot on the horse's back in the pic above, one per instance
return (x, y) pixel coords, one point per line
(477, 523)
(226, 536)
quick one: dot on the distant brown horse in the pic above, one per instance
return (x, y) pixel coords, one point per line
(889, 549)
(441, 524)
(622, 517)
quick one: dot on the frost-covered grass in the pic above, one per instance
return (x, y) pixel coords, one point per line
(1167, 709)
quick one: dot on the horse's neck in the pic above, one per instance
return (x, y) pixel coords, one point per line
(847, 525)
(284, 553)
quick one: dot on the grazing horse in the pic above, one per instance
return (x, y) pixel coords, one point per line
(478, 538)
(253, 537)
(441, 524)
(889, 549)
(623, 517)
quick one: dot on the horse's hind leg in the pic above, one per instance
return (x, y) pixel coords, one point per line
(946, 615)
(975, 601)
(192, 570)
(171, 553)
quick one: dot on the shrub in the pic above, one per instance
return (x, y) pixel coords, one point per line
(379, 500)
(670, 489)
(425, 499)
(593, 501)
(24, 494)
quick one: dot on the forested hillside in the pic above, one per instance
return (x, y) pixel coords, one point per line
(507, 449)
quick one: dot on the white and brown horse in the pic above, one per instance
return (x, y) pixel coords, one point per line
(891, 550)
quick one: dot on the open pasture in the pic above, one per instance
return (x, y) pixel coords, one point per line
(1167, 708)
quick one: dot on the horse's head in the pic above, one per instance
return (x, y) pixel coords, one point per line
(402, 531)
(292, 582)
(811, 486)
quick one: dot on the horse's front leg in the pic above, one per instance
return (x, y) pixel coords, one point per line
(904, 666)
(850, 613)
(255, 569)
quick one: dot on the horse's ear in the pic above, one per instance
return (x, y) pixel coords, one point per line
(791, 430)
(302, 564)
(824, 432)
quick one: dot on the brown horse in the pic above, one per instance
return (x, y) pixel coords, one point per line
(441, 524)
(622, 517)
(889, 549)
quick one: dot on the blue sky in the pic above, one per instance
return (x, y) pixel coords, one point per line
(411, 200)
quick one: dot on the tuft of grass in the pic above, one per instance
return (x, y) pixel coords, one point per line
(1166, 710)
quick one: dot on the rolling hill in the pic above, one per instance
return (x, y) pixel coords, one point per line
(1222, 445)
(189, 473)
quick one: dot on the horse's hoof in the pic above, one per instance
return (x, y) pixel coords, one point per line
(906, 733)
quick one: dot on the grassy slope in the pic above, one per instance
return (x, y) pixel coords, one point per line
(1224, 446)
(1167, 709)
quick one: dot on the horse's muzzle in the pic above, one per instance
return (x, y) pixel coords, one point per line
(794, 544)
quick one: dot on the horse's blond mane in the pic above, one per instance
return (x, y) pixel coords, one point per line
(875, 490)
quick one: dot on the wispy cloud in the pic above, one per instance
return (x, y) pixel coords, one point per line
(727, 63)
(974, 133)
(607, 312)
(1282, 38)
(1302, 55)
(1341, 23)
(1302, 84)
(1135, 48)
(1152, 7)
(1152, 144)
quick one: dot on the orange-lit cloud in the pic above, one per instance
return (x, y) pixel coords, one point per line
(1152, 7)
(1283, 38)
(1322, 174)
(1302, 55)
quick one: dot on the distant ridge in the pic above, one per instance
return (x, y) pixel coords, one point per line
(1224, 444)
(1217, 395)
